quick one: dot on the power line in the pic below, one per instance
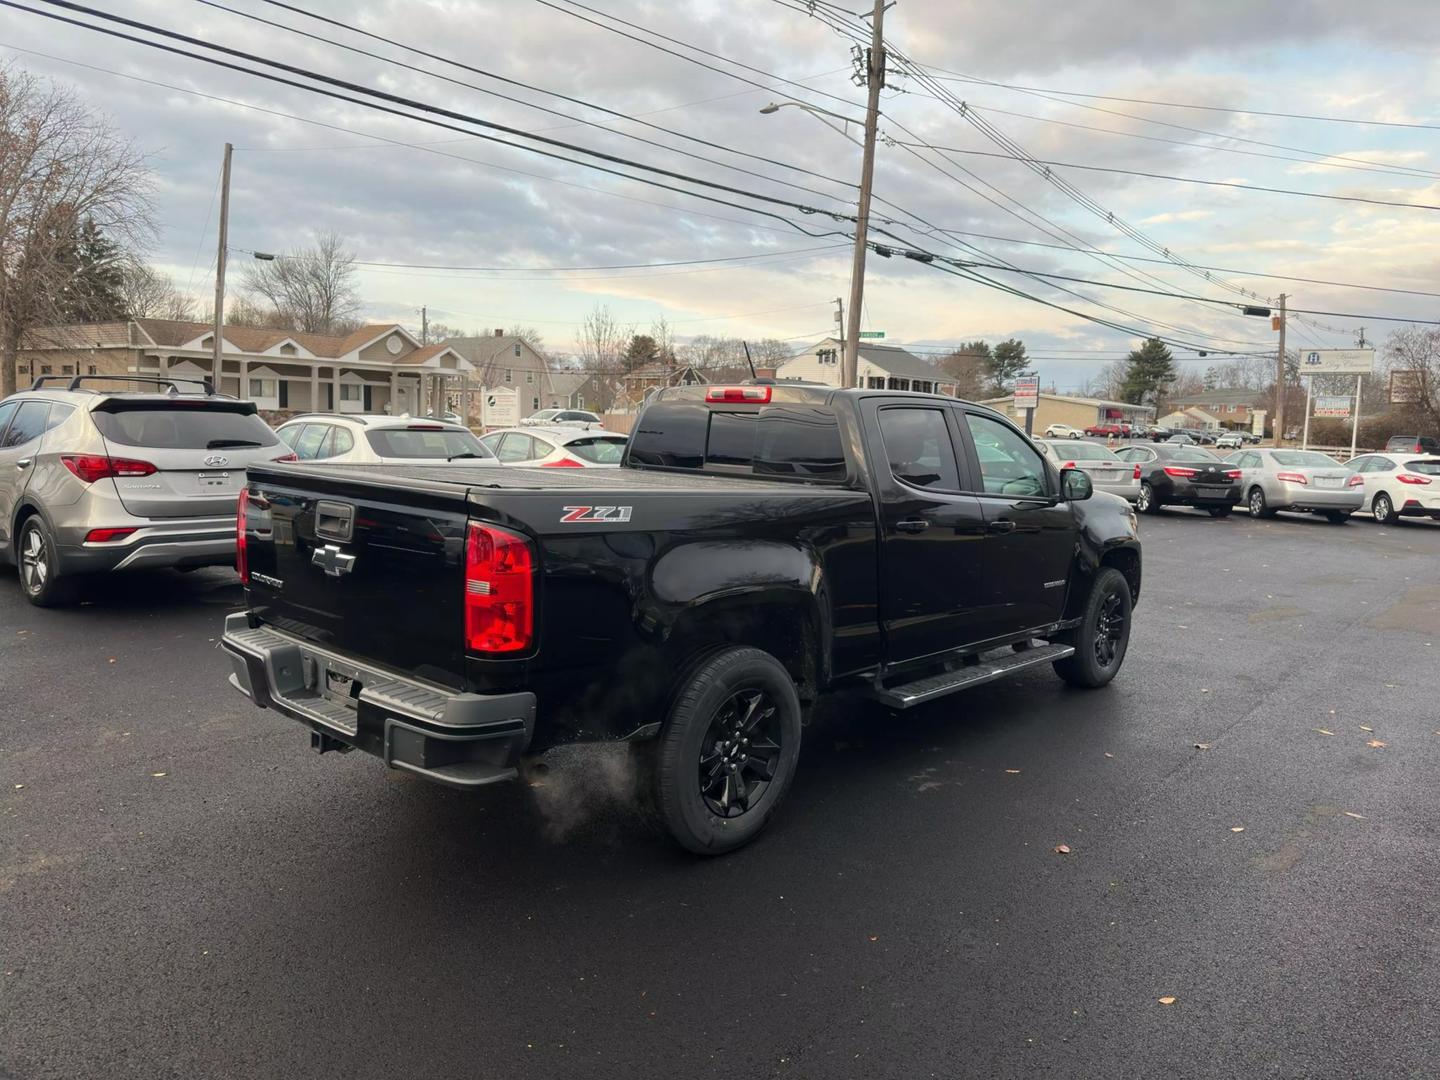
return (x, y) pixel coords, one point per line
(424, 107)
(1182, 179)
(955, 76)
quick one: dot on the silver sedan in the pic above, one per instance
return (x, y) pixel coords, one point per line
(1106, 471)
(1303, 480)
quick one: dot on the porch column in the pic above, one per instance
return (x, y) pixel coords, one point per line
(394, 392)
(314, 387)
(244, 380)
(335, 389)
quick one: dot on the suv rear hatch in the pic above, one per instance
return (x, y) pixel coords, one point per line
(189, 454)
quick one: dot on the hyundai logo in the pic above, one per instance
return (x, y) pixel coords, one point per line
(215, 461)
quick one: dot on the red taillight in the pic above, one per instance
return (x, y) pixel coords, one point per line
(1233, 474)
(1418, 449)
(754, 394)
(104, 536)
(1137, 472)
(1178, 470)
(1355, 481)
(1411, 478)
(1292, 478)
(499, 590)
(1068, 465)
(287, 457)
(563, 463)
(242, 554)
(92, 467)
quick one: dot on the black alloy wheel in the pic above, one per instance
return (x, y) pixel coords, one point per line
(1103, 636)
(740, 754)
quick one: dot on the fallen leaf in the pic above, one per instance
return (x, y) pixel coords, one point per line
(1062, 849)
(1351, 813)
(1204, 690)
(1202, 746)
(1376, 743)
(19, 786)
(1322, 731)
(1237, 828)
(111, 660)
(874, 937)
(1013, 772)
(1169, 999)
(157, 774)
(1112, 755)
(1364, 728)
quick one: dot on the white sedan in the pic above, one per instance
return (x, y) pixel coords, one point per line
(1397, 485)
(1063, 431)
(556, 447)
(352, 439)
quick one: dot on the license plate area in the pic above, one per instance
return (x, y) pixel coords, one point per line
(213, 480)
(336, 683)
(1328, 483)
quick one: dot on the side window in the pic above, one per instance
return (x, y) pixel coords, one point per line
(342, 442)
(307, 446)
(1008, 464)
(289, 434)
(1381, 465)
(28, 424)
(514, 447)
(542, 448)
(919, 449)
(6, 412)
(58, 415)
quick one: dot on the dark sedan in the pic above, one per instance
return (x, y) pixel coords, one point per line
(1178, 475)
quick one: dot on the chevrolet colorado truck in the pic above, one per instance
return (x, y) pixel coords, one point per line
(762, 545)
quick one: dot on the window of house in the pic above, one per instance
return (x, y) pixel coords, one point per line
(352, 392)
(517, 348)
(509, 375)
(263, 388)
(46, 369)
(530, 378)
(90, 370)
(826, 356)
(534, 403)
(875, 382)
(67, 369)
(899, 384)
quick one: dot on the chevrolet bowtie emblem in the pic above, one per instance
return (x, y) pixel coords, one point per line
(332, 560)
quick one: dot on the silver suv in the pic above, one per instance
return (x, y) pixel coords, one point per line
(93, 480)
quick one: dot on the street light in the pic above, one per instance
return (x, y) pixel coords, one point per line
(815, 111)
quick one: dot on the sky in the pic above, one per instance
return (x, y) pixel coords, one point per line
(401, 191)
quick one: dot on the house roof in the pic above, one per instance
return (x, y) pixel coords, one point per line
(173, 333)
(891, 359)
(1074, 400)
(106, 335)
(424, 353)
(566, 383)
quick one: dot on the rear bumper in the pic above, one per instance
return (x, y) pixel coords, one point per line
(155, 543)
(1298, 497)
(1184, 493)
(457, 739)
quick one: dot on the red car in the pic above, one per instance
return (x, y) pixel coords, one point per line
(1105, 429)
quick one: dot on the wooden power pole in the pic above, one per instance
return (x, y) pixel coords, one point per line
(218, 353)
(1280, 379)
(874, 80)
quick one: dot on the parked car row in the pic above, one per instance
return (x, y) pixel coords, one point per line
(97, 477)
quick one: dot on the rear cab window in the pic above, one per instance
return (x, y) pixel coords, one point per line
(181, 427)
(786, 441)
(425, 442)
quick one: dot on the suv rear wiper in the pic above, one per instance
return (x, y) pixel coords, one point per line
(463, 454)
(226, 444)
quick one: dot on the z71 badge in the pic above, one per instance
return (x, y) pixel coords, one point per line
(591, 515)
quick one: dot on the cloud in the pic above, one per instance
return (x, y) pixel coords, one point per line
(1177, 215)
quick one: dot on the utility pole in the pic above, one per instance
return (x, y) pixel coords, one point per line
(874, 80)
(220, 269)
(1280, 379)
(424, 326)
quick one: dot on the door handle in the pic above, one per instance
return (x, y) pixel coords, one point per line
(1001, 526)
(23, 463)
(912, 525)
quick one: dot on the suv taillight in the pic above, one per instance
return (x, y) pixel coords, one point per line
(1137, 472)
(499, 590)
(242, 553)
(92, 467)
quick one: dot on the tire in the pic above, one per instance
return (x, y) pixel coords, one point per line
(724, 696)
(1256, 504)
(1103, 635)
(1146, 502)
(1220, 511)
(1337, 517)
(39, 566)
(1383, 510)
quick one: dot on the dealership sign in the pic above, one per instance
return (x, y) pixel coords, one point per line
(1337, 362)
(1027, 392)
(1332, 406)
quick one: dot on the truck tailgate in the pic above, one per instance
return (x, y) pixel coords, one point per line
(371, 571)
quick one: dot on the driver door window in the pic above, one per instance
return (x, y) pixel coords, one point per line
(1008, 464)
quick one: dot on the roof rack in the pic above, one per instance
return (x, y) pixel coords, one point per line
(328, 412)
(39, 384)
(209, 387)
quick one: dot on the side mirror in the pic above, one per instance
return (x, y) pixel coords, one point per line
(1075, 485)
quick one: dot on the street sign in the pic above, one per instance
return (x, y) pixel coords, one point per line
(1257, 421)
(1337, 362)
(872, 333)
(501, 408)
(1027, 392)
(1332, 406)
(1407, 387)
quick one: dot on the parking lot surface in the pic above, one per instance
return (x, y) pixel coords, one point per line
(1250, 813)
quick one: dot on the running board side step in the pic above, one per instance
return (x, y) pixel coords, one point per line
(908, 695)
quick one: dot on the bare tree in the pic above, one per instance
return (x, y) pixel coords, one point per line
(968, 367)
(149, 294)
(602, 342)
(310, 289)
(770, 352)
(60, 165)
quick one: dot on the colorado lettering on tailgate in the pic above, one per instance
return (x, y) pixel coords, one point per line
(589, 515)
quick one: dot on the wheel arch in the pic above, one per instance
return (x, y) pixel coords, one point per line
(786, 623)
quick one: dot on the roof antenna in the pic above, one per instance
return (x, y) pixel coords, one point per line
(748, 360)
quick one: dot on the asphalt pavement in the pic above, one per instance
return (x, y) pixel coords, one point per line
(1250, 811)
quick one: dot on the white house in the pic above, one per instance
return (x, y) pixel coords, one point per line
(879, 367)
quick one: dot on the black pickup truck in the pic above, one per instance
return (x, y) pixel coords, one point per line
(761, 545)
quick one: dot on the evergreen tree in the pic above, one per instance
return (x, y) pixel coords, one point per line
(1008, 362)
(642, 352)
(94, 284)
(1148, 371)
